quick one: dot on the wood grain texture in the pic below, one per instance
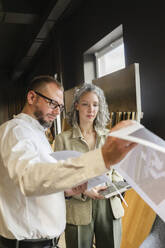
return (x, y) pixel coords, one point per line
(137, 221)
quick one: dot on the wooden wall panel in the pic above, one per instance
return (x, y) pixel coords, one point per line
(137, 221)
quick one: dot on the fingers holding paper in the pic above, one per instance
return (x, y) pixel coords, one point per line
(76, 190)
(94, 193)
(122, 124)
(115, 149)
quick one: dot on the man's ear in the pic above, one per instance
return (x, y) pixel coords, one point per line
(31, 97)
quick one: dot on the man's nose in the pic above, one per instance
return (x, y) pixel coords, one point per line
(57, 110)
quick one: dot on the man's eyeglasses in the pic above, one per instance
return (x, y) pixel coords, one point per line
(52, 103)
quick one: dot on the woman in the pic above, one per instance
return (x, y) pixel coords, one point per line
(89, 215)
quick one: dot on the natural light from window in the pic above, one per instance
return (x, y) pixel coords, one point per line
(110, 60)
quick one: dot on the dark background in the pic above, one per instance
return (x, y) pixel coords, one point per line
(80, 26)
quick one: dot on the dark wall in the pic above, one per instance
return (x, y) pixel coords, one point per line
(6, 96)
(144, 39)
(47, 61)
(4, 87)
(144, 36)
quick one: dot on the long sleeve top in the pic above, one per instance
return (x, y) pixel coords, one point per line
(79, 208)
(32, 183)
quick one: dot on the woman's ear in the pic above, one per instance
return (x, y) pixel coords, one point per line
(76, 106)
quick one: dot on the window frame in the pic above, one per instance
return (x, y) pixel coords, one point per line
(108, 48)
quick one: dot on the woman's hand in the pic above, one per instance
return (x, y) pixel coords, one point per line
(76, 190)
(94, 192)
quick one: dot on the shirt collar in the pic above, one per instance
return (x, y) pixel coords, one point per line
(76, 132)
(31, 120)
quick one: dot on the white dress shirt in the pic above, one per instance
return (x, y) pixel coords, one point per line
(32, 183)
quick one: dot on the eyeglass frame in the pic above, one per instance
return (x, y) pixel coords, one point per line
(51, 101)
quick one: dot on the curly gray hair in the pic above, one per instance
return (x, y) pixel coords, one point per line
(102, 117)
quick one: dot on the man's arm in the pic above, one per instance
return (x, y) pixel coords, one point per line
(36, 177)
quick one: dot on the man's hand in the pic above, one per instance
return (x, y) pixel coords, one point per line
(114, 149)
(94, 192)
(76, 190)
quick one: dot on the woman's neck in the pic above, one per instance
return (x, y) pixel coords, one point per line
(86, 128)
(89, 134)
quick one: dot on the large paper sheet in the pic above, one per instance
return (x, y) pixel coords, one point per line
(144, 166)
(63, 155)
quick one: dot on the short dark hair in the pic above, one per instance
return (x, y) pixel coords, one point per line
(39, 81)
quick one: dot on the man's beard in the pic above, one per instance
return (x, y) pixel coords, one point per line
(39, 116)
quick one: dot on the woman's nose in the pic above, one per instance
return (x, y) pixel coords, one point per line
(90, 107)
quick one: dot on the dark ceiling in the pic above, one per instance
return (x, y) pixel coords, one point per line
(24, 26)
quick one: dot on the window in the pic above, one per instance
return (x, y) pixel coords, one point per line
(110, 58)
(105, 56)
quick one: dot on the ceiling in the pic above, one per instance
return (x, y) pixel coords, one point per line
(24, 26)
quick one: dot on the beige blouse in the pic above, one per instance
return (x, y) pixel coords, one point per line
(79, 208)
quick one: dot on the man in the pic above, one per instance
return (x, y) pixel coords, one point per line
(32, 203)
